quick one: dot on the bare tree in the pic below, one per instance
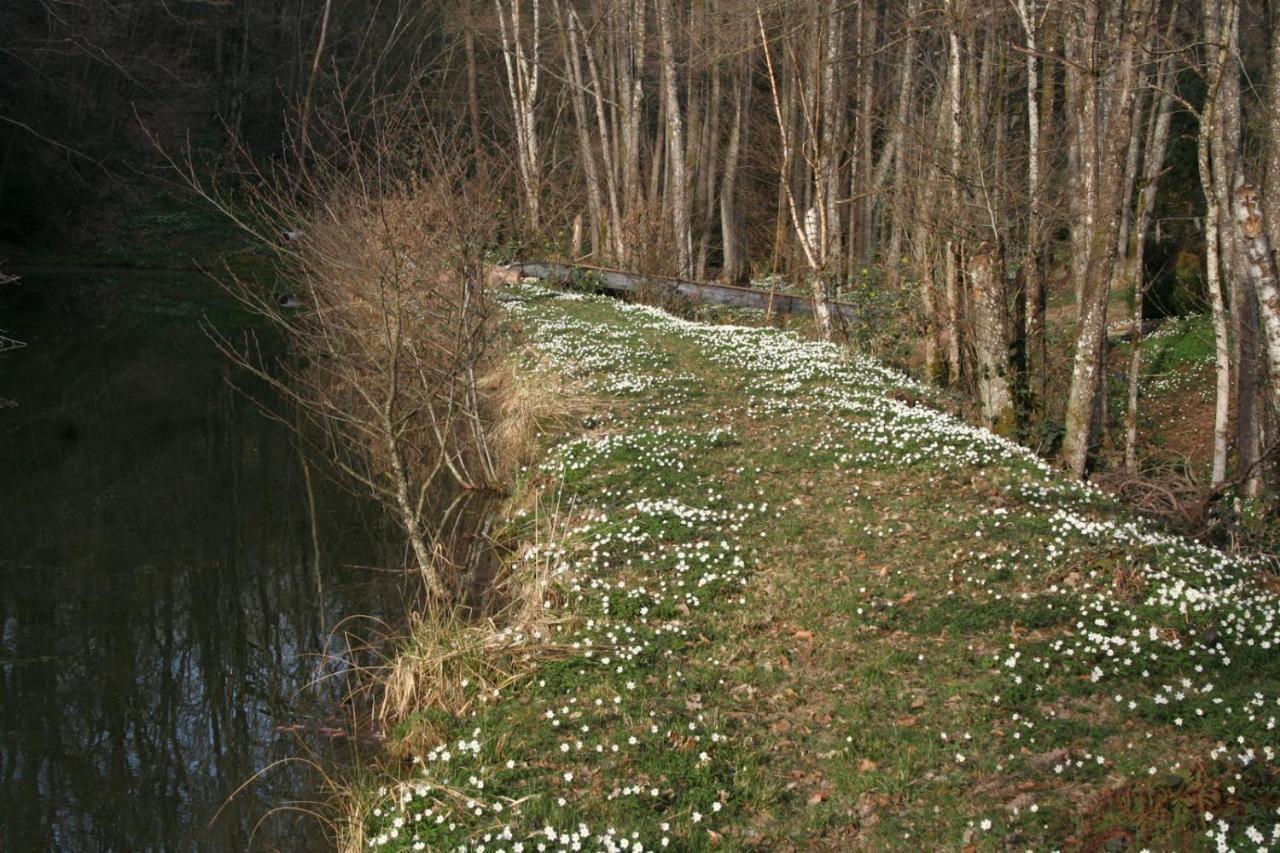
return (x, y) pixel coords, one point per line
(991, 338)
(1105, 80)
(1261, 267)
(809, 227)
(523, 64)
(1220, 23)
(677, 156)
(1032, 17)
(387, 320)
(1153, 165)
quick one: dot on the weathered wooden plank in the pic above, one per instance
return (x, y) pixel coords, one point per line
(618, 282)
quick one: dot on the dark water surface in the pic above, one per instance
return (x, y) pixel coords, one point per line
(165, 629)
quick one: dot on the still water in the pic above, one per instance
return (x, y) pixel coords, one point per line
(166, 631)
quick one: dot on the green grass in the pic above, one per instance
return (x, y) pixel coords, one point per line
(805, 615)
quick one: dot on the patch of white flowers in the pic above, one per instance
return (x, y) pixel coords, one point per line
(640, 560)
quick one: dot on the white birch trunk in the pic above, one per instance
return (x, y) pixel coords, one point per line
(523, 70)
(1262, 273)
(678, 187)
(1206, 152)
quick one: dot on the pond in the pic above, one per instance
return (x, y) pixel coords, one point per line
(171, 619)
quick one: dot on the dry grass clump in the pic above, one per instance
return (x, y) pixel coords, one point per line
(449, 661)
(531, 400)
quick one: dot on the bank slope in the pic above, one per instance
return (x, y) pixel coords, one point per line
(800, 608)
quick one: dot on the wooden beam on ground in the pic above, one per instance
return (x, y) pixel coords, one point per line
(618, 282)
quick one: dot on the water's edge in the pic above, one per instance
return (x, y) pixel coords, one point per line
(166, 631)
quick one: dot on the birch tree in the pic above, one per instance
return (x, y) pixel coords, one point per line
(1031, 17)
(809, 227)
(1219, 25)
(678, 202)
(523, 65)
(1106, 79)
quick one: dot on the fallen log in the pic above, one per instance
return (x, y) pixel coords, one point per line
(617, 282)
(1122, 333)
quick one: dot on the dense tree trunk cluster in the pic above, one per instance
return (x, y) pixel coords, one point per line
(964, 152)
(977, 157)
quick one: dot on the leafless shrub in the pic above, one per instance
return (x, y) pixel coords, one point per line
(379, 244)
(650, 241)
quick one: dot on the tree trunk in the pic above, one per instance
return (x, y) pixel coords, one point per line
(991, 338)
(1037, 235)
(1241, 329)
(808, 232)
(1104, 143)
(678, 188)
(1153, 164)
(1272, 182)
(828, 183)
(707, 162)
(734, 268)
(897, 140)
(523, 69)
(923, 242)
(577, 86)
(1262, 273)
(1207, 152)
(951, 269)
(867, 51)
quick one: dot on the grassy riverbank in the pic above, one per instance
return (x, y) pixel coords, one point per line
(787, 604)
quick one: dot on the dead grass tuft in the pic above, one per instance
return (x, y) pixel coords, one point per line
(449, 662)
(532, 400)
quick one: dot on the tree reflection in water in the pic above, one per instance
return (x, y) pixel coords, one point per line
(162, 622)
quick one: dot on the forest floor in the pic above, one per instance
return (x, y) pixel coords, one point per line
(795, 606)
(1175, 413)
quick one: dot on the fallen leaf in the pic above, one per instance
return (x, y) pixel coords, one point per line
(907, 599)
(866, 765)
(917, 703)
(803, 635)
(818, 798)
(907, 721)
